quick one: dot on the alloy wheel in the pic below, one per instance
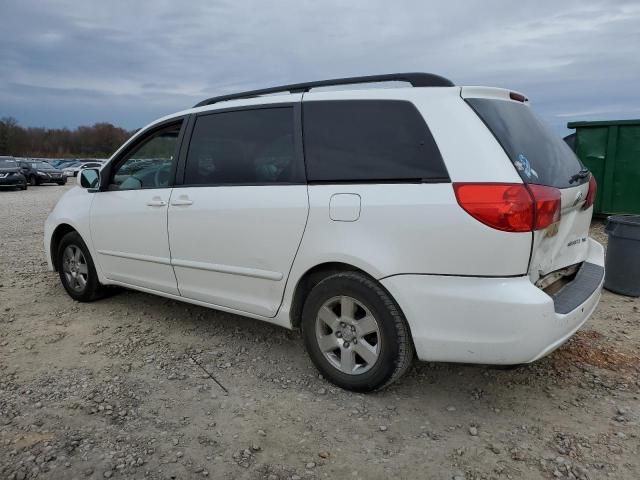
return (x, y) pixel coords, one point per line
(75, 268)
(348, 335)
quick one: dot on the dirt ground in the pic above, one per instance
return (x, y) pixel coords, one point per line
(118, 389)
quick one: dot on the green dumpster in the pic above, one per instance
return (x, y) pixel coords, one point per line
(611, 150)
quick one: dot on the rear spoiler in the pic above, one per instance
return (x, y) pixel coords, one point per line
(492, 92)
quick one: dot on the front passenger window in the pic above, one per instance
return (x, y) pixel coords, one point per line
(149, 164)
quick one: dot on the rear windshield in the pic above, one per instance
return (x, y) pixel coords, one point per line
(539, 156)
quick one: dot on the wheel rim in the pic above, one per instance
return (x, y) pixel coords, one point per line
(348, 335)
(75, 268)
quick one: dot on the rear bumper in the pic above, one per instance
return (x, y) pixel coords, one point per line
(501, 321)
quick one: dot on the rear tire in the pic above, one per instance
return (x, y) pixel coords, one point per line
(77, 270)
(355, 333)
(33, 181)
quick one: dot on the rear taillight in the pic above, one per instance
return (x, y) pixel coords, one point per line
(591, 194)
(510, 207)
(547, 205)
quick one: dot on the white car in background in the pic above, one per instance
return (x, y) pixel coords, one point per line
(73, 170)
(435, 220)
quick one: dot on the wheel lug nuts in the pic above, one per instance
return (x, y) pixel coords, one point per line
(355, 341)
(338, 334)
(346, 344)
(342, 324)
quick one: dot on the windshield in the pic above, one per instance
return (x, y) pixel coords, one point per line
(540, 156)
(8, 164)
(41, 165)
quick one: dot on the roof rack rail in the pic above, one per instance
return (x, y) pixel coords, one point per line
(415, 79)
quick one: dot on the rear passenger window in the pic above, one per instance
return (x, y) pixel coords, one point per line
(244, 147)
(369, 140)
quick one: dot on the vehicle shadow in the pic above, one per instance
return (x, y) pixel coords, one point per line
(183, 324)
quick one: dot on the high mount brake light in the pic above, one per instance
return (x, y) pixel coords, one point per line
(518, 97)
(591, 194)
(510, 207)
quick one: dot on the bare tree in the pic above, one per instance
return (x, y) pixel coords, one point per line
(99, 140)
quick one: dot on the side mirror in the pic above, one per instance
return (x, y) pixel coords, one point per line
(89, 178)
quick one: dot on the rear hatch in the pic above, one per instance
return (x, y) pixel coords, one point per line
(542, 158)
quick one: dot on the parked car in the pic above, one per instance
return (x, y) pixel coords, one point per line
(38, 172)
(62, 163)
(10, 174)
(70, 169)
(95, 164)
(73, 169)
(432, 218)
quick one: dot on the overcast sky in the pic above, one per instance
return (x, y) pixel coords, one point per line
(75, 62)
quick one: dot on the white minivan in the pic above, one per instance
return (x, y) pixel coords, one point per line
(428, 219)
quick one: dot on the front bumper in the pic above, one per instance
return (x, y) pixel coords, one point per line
(12, 180)
(52, 178)
(500, 321)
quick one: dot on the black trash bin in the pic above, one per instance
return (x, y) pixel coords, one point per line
(623, 255)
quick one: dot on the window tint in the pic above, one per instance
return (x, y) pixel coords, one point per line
(243, 147)
(369, 140)
(149, 164)
(540, 156)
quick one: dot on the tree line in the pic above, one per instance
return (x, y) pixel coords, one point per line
(97, 141)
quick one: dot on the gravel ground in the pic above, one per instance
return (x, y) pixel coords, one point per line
(119, 389)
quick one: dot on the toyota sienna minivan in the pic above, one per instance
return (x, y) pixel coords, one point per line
(427, 220)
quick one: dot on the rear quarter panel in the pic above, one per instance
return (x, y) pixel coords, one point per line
(408, 228)
(419, 228)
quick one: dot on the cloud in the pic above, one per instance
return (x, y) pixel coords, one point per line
(66, 63)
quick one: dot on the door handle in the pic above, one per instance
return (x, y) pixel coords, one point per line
(182, 200)
(156, 202)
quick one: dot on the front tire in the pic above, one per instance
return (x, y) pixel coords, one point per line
(355, 333)
(77, 270)
(33, 181)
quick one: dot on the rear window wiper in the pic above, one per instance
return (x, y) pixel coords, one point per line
(583, 173)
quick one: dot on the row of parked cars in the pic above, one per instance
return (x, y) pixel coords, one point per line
(22, 172)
